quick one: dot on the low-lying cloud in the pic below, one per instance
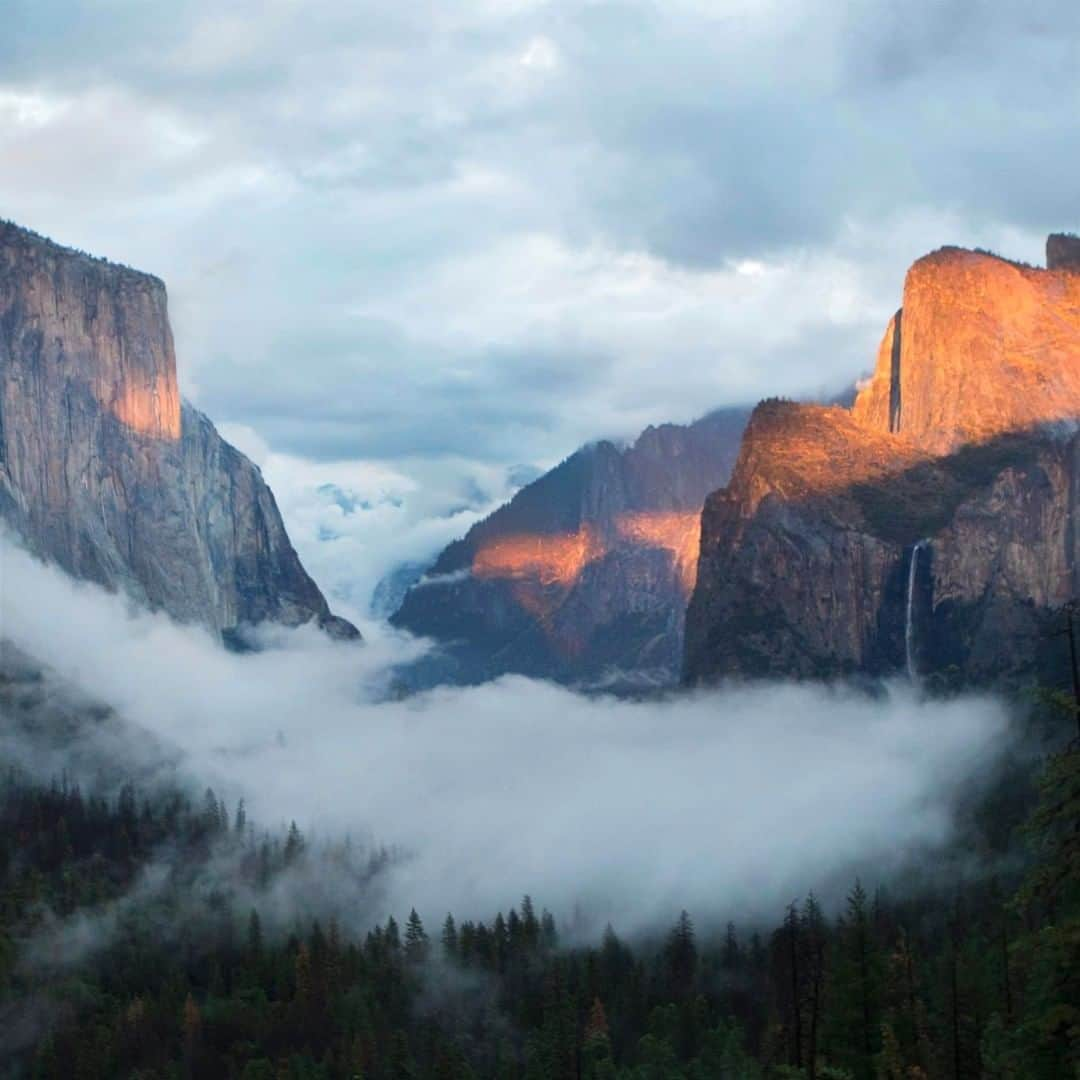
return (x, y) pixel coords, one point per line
(728, 803)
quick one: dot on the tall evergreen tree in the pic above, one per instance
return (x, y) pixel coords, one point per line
(416, 939)
(855, 1035)
(450, 940)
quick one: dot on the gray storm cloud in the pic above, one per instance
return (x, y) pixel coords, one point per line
(444, 240)
(727, 803)
(560, 220)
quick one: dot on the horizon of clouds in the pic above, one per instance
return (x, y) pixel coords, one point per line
(354, 523)
(442, 242)
(728, 802)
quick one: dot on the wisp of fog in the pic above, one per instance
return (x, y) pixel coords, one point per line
(726, 803)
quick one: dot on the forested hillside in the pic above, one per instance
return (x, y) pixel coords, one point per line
(141, 935)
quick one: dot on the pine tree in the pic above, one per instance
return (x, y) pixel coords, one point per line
(905, 1027)
(597, 1063)
(450, 940)
(549, 936)
(392, 936)
(813, 946)
(254, 936)
(788, 978)
(529, 923)
(1046, 1041)
(304, 999)
(731, 957)
(416, 939)
(681, 957)
(500, 942)
(855, 1016)
(294, 844)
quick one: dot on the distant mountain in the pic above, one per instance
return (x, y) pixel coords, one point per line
(391, 588)
(931, 527)
(584, 575)
(105, 472)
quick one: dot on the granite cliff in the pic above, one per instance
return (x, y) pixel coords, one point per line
(934, 524)
(584, 575)
(105, 472)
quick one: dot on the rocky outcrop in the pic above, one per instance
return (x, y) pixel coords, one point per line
(964, 442)
(981, 346)
(1063, 251)
(584, 575)
(103, 470)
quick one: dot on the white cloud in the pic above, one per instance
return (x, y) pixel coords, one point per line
(729, 803)
(27, 109)
(541, 54)
(490, 231)
(505, 179)
(353, 522)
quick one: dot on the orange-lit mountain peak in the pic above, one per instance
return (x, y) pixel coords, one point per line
(560, 559)
(796, 450)
(543, 569)
(550, 559)
(980, 347)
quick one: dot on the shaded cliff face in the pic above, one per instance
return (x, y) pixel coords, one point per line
(963, 445)
(105, 472)
(1062, 251)
(585, 573)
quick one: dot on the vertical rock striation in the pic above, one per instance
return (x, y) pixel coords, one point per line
(105, 472)
(963, 441)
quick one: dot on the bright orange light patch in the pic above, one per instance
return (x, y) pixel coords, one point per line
(556, 559)
(150, 409)
(677, 533)
(559, 559)
(543, 569)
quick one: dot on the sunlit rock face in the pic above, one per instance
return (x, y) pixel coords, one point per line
(79, 322)
(103, 470)
(965, 438)
(584, 576)
(981, 346)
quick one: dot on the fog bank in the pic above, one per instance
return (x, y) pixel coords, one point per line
(728, 803)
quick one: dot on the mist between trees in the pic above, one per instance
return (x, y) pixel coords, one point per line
(210, 843)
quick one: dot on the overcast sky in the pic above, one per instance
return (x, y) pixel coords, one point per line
(417, 244)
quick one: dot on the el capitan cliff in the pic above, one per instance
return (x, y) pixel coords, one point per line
(105, 472)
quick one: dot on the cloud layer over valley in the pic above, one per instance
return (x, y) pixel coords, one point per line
(726, 803)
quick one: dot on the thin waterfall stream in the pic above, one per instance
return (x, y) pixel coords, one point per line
(909, 623)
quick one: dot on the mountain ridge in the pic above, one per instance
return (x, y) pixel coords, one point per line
(963, 445)
(584, 573)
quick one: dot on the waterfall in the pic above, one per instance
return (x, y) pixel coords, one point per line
(909, 624)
